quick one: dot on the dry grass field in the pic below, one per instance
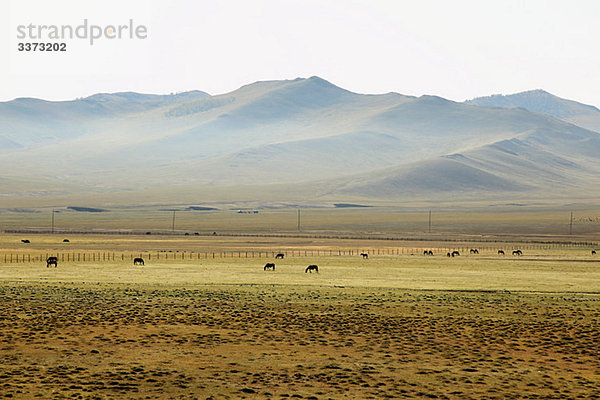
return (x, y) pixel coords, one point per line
(391, 326)
(481, 220)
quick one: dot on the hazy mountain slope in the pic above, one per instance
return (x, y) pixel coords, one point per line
(187, 128)
(426, 178)
(29, 122)
(415, 130)
(539, 101)
(295, 131)
(433, 126)
(296, 161)
(255, 115)
(535, 164)
(544, 159)
(268, 112)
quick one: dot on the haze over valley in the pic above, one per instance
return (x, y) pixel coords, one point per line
(300, 140)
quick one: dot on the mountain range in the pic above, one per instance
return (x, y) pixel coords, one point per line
(304, 140)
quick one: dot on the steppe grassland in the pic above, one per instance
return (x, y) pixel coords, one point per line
(264, 341)
(403, 326)
(541, 220)
(401, 272)
(305, 239)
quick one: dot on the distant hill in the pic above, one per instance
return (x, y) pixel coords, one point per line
(301, 138)
(31, 123)
(542, 102)
(542, 164)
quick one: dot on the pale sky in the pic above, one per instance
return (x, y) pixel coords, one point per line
(456, 49)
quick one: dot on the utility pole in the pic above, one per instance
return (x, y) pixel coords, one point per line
(53, 220)
(298, 220)
(429, 221)
(571, 224)
(173, 224)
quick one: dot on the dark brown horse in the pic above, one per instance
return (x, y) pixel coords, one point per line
(269, 266)
(364, 255)
(474, 251)
(138, 261)
(517, 253)
(455, 253)
(279, 255)
(500, 252)
(312, 268)
(52, 261)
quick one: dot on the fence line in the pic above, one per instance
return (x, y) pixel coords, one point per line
(104, 256)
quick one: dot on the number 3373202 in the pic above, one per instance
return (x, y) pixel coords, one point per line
(42, 47)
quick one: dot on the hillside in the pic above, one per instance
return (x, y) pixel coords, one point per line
(539, 164)
(305, 135)
(542, 102)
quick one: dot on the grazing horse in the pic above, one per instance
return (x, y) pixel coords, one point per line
(430, 253)
(455, 253)
(474, 251)
(66, 241)
(364, 255)
(279, 255)
(500, 252)
(517, 253)
(52, 261)
(138, 261)
(25, 241)
(593, 252)
(270, 266)
(448, 254)
(312, 268)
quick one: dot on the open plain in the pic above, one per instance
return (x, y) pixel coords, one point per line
(396, 325)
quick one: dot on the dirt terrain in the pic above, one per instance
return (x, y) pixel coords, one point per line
(391, 326)
(269, 341)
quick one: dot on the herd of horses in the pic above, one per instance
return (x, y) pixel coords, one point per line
(271, 266)
(53, 261)
(456, 253)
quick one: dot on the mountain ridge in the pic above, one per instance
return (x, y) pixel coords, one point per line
(305, 130)
(539, 101)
